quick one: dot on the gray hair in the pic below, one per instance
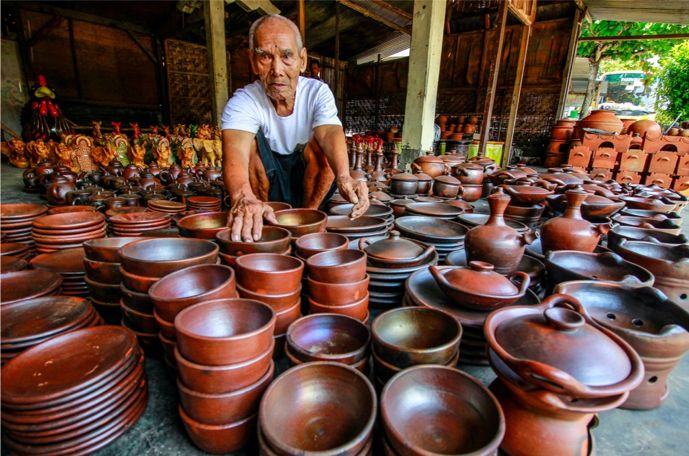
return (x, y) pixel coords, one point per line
(290, 24)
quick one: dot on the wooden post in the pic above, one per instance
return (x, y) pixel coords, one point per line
(302, 21)
(571, 56)
(424, 67)
(214, 19)
(337, 54)
(516, 91)
(493, 81)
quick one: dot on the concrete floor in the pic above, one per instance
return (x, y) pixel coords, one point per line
(663, 431)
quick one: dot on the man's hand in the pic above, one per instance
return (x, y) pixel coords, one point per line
(356, 192)
(246, 219)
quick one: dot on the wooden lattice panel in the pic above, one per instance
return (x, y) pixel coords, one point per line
(189, 87)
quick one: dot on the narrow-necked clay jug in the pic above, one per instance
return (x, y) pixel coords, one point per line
(495, 242)
(571, 231)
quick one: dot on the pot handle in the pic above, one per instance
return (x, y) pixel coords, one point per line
(363, 243)
(524, 280)
(439, 277)
(415, 166)
(603, 228)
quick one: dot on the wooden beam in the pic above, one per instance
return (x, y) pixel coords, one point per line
(324, 31)
(669, 36)
(214, 18)
(75, 63)
(45, 29)
(302, 20)
(493, 81)
(364, 11)
(519, 14)
(393, 9)
(569, 64)
(141, 46)
(516, 91)
(264, 6)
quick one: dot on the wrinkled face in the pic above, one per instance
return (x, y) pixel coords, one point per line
(276, 60)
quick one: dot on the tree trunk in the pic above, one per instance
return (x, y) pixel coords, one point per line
(591, 86)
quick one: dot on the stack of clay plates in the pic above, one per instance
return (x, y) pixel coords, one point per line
(167, 207)
(15, 249)
(34, 321)
(74, 393)
(28, 284)
(436, 209)
(69, 263)
(138, 223)
(16, 220)
(447, 236)
(364, 226)
(374, 210)
(66, 231)
(204, 203)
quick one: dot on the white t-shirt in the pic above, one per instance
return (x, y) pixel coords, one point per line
(249, 109)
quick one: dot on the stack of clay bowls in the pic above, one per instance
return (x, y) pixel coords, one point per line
(166, 207)
(205, 225)
(527, 204)
(138, 223)
(143, 263)
(66, 231)
(34, 321)
(318, 408)
(445, 235)
(410, 336)
(69, 263)
(275, 280)
(74, 393)
(28, 284)
(329, 337)
(224, 360)
(184, 288)
(338, 283)
(16, 220)
(204, 203)
(273, 240)
(102, 265)
(311, 244)
(364, 226)
(375, 210)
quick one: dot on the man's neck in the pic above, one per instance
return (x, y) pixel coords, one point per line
(283, 108)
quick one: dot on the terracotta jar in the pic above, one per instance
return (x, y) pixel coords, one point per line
(601, 119)
(58, 189)
(495, 242)
(571, 231)
(446, 187)
(468, 173)
(431, 165)
(645, 126)
(403, 184)
(488, 164)
(395, 251)
(425, 182)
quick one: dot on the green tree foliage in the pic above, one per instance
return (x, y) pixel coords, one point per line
(673, 90)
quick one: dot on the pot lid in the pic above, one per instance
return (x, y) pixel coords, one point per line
(428, 159)
(420, 175)
(480, 279)
(404, 177)
(394, 248)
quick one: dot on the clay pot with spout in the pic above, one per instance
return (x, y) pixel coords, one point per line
(115, 167)
(131, 172)
(168, 176)
(495, 242)
(58, 189)
(184, 179)
(147, 180)
(154, 169)
(571, 231)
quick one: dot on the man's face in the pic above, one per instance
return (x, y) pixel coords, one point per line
(315, 70)
(276, 60)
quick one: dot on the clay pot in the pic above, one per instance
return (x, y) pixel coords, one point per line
(395, 251)
(273, 240)
(357, 309)
(526, 194)
(403, 184)
(301, 221)
(469, 129)
(329, 337)
(157, 257)
(431, 165)
(562, 133)
(314, 243)
(645, 126)
(446, 186)
(468, 173)
(471, 192)
(222, 438)
(279, 302)
(495, 242)
(399, 206)
(139, 321)
(424, 184)
(337, 266)
(600, 119)
(337, 294)
(59, 187)
(269, 273)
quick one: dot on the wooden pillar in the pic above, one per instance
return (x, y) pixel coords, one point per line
(424, 66)
(493, 80)
(214, 19)
(516, 91)
(571, 56)
(302, 21)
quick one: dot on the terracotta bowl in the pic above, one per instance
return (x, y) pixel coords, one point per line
(318, 407)
(224, 331)
(277, 302)
(137, 283)
(465, 419)
(361, 365)
(179, 290)
(286, 317)
(301, 221)
(102, 271)
(106, 249)
(328, 337)
(226, 378)
(269, 273)
(168, 347)
(224, 408)
(273, 240)
(314, 243)
(202, 226)
(138, 301)
(337, 266)
(415, 335)
(167, 328)
(160, 256)
(104, 292)
(278, 205)
(139, 321)
(337, 294)
(219, 439)
(358, 309)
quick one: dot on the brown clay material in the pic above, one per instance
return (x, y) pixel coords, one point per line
(446, 186)
(103, 272)
(311, 244)
(269, 273)
(404, 184)
(220, 439)
(301, 221)
(273, 240)
(137, 283)
(140, 321)
(526, 194)
(286, 317)
(277, 302)
(328, 337)
(471, 192)
(337, 293)
(104, 292)
(619, 232)
(202, 226)
(337, 266)
(358, 309)
(157, 257)
(27, 284)
(395, 251)
(167, 328)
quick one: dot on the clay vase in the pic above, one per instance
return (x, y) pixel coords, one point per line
(357, 172)
(571, 231)
(495, 242)
(58, 189)
(601, 119)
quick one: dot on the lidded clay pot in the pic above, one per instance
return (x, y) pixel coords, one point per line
(495, 242)
(469, 173)
(601, 119)
(571, 231)
(403, 184)
(395, 251)
(431, 165)
(424, 183)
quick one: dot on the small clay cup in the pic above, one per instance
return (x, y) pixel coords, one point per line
(135, 282)
(219, 439)
(269, 273)
(314, 243)
(328, 337)
(358, 310)
(337, 294)
(277, 302)
(337, 266)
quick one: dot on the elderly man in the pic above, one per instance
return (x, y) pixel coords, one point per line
(282, 139)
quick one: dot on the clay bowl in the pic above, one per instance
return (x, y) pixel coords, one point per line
(161, 256)
(338, 266)
(188, 286)
(278, 302)
(104, 292)
(27, 284)
(202, 226)
(618, 232)
(465, 419)
(222, 408)
(301, 221)
(167, 328)
(337, 294)
(286, 317)
(137, 283)
(375, 210)
(526, 194)
(314, 243)
(224, 331)
(224, 378)
(361, 365)
(414, 335)
(650, 204)
(219, 439)
(269, 273)
(328, 337)
(273, 240)
(140, 321)
(358, 309)
(278, 205)
(318, 407)
(103, 272)
(664, 224)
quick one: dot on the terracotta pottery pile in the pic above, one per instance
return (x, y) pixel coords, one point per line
(66, 231)
(166, 206)
(328, 337)
(224, 361)
(337, 283)
(436, 209)
(311, 244)
(557, 368)
(301, 221)
(143, 263)
(28, 284)
(364, 226)
(76, 208)
(410, 336)
(31, 322)
(202, 226)
(16, 220)
(74, 393)
(138, 223)
(619, 232)
(275, 280)
(446, 236)
(17, 250)
(69, 263)
(318, 408)
(375, 210)
(204, 203)
(465, 419)
(272, 240)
